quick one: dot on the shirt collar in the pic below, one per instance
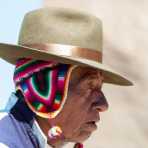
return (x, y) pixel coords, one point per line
(11, 102)
(40, 135)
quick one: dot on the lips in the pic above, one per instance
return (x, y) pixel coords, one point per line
(90, 126)
(91, 122)
(97, 119)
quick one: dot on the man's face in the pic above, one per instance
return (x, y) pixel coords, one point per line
(85, 100)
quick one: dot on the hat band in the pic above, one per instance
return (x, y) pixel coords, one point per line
(68, 50)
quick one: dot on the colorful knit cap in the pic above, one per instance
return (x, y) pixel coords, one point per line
(44, 85)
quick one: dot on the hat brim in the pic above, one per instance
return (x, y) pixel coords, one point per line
(11, 53)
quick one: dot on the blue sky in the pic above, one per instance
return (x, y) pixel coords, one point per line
(11, 15)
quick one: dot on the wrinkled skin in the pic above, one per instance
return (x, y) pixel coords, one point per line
(84, 102)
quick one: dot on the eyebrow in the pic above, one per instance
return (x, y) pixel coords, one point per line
(93, 71)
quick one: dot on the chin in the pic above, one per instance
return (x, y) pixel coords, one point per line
(84, 136)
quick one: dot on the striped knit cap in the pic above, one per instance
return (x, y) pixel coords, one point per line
(44, 85)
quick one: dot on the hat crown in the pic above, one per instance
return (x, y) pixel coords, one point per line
(62, 35)
(61, 26)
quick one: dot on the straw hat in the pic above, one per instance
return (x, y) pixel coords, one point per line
(64, 35)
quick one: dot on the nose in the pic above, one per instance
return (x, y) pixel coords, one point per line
(99, 101)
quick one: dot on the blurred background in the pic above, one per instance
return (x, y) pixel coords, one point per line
(11, 16)
(125, 29)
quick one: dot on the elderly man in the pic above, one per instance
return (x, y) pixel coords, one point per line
(58, 79)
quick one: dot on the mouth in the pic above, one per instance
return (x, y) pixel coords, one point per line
(94, 121)
(91, 126)
(91, 122)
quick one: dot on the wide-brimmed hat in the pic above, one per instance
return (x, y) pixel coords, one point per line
(65, 35)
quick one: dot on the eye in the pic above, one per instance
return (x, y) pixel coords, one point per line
(95, 82)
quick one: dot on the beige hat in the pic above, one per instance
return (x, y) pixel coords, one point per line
(64, 35)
